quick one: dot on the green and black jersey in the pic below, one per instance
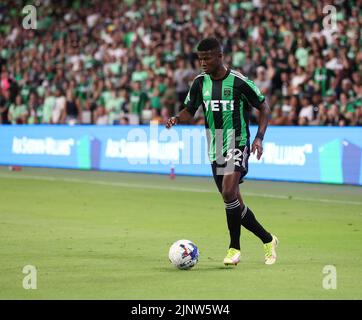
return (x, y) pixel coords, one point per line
(227, 105)
(323, 78)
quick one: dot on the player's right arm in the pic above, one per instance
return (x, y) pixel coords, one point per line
(192, 103)
(184, 116)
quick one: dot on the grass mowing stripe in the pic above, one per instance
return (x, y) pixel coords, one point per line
(170, 188)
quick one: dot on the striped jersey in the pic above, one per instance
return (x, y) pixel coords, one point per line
(227, 104)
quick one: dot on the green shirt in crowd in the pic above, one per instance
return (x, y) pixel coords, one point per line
(17, 111)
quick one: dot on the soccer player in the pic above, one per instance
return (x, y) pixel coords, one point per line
(226, 97)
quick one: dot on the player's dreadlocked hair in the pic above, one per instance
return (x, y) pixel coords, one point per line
(209, 44)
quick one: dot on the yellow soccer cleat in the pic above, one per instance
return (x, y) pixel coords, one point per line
(270, 251)
(232, 257)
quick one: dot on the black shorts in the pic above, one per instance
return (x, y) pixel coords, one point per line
(235, 160)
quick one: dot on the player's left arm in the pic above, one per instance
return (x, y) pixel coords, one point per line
(264, 114)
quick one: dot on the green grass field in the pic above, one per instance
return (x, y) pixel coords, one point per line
(106, 235)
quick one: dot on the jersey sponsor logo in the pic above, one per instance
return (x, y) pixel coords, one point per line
(219, 105)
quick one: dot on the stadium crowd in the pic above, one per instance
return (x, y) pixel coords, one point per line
(121, 62)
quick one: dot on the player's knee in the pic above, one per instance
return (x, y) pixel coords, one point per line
(229, 194)
(241, 202)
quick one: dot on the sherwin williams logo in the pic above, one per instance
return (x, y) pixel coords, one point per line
(284, 155)
(340, 162)
(88, 152)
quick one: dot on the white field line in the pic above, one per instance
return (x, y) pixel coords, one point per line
(172, 188)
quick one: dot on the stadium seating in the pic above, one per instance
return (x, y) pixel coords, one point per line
(112, 59)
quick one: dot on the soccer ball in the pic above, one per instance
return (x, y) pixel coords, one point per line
(183, 254)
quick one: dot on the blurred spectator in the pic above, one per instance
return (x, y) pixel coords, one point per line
(138, 99)
(5, 84)
(59, 109)
(18, 112)
(263, 82)
(4, 106)
(322, 115)
(182, 76)
(165, 114)
(286, 107)
(88, 112)
(333, 62)
(156, 117)
(298, 80)
(331, 98)
(34, 110)
(333, 116)
(100, 115)
(73, 111)
(358, 117)
(124, 120)
(306, 111)
(302, 53)
(323, 77)
(169, 98)
(278, 117)
(292, 119)
(285, 85)
(114, 105)
(48, 106)
(303, 121)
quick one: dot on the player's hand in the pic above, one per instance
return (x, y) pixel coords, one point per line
(258, 147)
(171, 122)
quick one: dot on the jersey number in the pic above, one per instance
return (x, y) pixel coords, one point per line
(234, 154)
